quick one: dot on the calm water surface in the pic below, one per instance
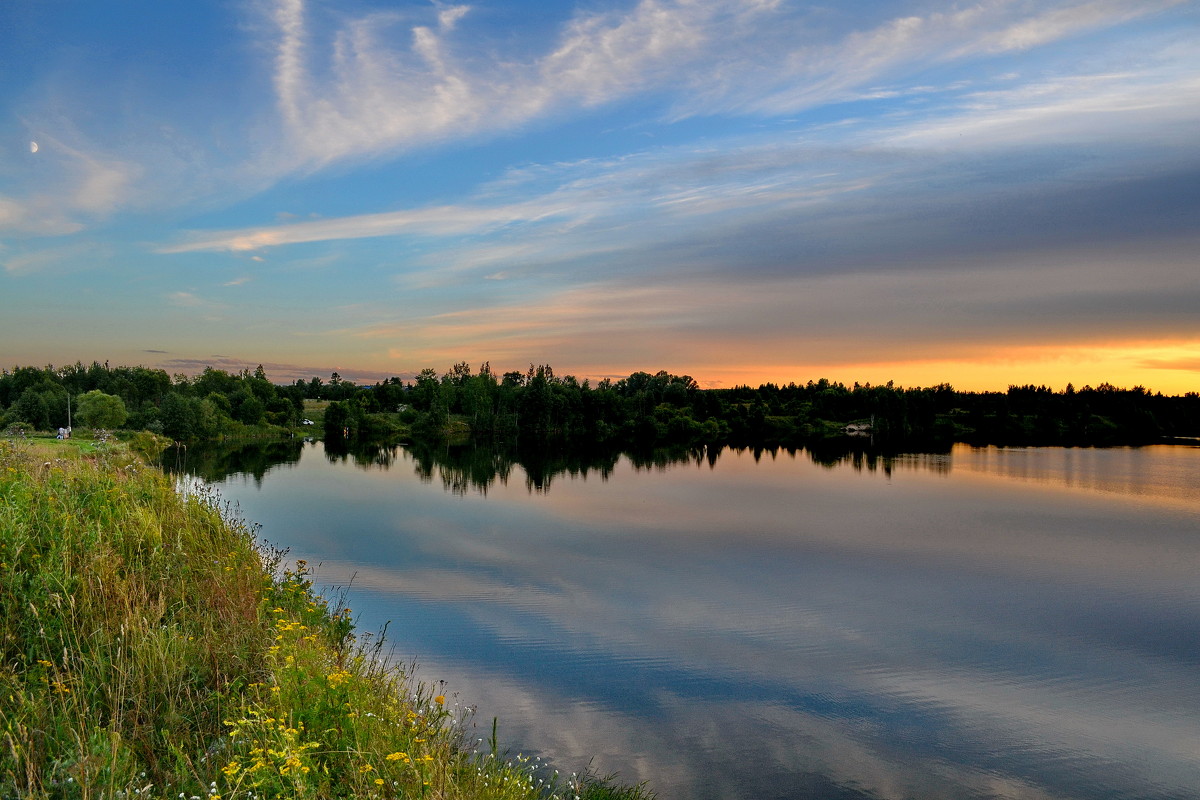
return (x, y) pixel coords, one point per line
(986, 623)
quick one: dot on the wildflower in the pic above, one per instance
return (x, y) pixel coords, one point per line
(397, 756)
(440, 699)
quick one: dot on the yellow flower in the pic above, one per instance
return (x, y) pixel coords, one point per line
(397, 756)
(440, 699)
(379, 781)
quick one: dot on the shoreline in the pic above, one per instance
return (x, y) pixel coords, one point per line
(153, 647)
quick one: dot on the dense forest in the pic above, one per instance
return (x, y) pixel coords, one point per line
(641, 410)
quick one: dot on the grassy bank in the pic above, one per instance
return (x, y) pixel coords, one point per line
(150, 647)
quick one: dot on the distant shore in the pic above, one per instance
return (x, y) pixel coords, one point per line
(539, 407)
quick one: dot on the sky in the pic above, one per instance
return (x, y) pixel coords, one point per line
(982, 193)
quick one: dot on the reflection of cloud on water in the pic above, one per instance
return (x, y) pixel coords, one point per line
(981, 640)
(764, 750)
(786, 510)
(1149, 728)
(834, 688)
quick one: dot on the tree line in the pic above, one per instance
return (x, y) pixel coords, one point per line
(538, 405)
(211, 404)
(656, 409)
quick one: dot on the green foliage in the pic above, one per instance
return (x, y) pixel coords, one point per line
(100, 410)
(149, 647)
(32, 408)
(594, 787)
(343, 420)
(148, 445)
(538, 406)
(180, 416)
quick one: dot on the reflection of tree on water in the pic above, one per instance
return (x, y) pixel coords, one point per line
(863, 457)
(214, 461)
(470, 467)
(367, 455)
(473, 467)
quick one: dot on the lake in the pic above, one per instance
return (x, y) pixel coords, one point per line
(978, 623)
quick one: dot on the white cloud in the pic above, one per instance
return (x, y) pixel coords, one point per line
(68, 189)
(831, 71)
(352, 88)
(356, 93)
(103, 185)
(1060, 23)
(448, 17)
(436, 221)
(208, 310)
(70, 257)
(643, 199)
(1143, 109)
(185, 300)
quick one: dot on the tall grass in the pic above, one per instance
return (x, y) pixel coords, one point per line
(151, 647)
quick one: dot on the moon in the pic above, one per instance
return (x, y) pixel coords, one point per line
(33, 147)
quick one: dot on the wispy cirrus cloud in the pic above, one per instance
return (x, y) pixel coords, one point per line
(352, 88)
(355, 93)
(439, 221)
(207, 310)
(1060, 23)
(65, 189)
(1005, 301)
(70, 257)
(540, 213)
(791, 69)
(374, 96)
(1148, 109)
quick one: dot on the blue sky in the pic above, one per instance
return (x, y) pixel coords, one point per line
(982, 193)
